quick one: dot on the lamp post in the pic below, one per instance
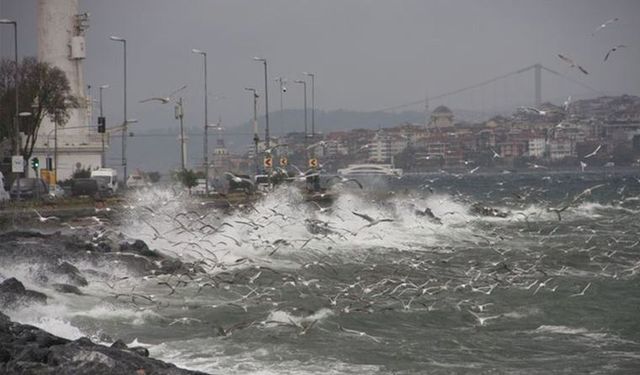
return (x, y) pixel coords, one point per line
(125, 122)
(313, 103)
(179, 115)
(281, 82)
(256, 138)
(103, 159)
(206, 123)
(304, 84)
(266, 102)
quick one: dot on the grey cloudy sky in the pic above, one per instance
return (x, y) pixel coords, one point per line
(366, 55)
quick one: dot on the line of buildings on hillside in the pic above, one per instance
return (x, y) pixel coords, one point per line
(549, 135)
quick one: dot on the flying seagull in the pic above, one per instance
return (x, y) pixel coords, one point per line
(572, 64)
(371, 220)
(594, 152)
(606, 57)
(164, 100)
(607, 23)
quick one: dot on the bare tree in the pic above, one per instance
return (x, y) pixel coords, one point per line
(43, 90)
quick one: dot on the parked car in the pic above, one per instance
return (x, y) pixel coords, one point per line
(90, 187)
(29, 188)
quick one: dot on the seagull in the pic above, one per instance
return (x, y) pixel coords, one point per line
(536, 166)
(45, 219)
(474, 169)
(558, 211)
(359, 333)
(581, 293)
(583, 165)
(607, 23)
(482, 319)
(613, 50)
(534, 110)
(164, 100)
(587, 191)
(317, 144)
(371, 220)
(542, 284)
(594, 152)
(572, 64)
(270, 150)
(495, 154)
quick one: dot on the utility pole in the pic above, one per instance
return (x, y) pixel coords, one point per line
(256, 138)
(281, 82)
(179, 114)
(313, 103)
(266, 101)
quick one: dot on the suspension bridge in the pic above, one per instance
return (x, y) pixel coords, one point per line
(524, 84)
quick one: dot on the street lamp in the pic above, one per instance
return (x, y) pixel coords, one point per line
(281, 83)
(266, 101)
(313, 103)
(256, 139)
(304, 83)
(206, 122)
(125, 122)
(103, 159)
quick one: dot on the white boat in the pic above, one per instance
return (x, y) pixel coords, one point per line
(370, 170)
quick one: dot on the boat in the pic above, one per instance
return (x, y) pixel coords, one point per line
(353, 170)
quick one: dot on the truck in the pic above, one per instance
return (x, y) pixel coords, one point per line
(107, 175)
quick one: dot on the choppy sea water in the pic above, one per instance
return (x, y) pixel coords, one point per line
(552, 287)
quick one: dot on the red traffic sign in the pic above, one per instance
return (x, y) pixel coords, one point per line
(313, 163)
(284, 161)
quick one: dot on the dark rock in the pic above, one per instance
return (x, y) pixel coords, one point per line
(84, 341)
(141, 351)
(66, 288)
(138, 247)
(103, 247)
(73, 274)
(5, 356)
(12, 285)
(12, 292)
(29, 350)
(119, 344)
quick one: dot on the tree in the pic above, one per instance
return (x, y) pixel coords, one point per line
(43, 90)
(154, 176)
(188, 177)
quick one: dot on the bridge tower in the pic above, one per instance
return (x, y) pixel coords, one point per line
(537, 77)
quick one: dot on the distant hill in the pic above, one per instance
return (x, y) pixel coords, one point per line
(292, 120)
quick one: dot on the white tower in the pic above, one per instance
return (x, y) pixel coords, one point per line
(61, 43)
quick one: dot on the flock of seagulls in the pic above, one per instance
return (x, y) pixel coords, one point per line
(572, 64)
(405, 280)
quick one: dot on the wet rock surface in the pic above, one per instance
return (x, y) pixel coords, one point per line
(13, 293)
(26, 349)
(71, 258)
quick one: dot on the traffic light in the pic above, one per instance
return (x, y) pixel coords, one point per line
(35, 164)
(102, 124)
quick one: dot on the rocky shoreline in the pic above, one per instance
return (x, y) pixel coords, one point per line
(25, 349)
(55, 261)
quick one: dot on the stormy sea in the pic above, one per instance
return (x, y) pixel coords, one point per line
(515, 273)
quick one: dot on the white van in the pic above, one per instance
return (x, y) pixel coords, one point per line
(108, 175)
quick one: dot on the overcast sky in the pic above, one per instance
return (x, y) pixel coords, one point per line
(366, 55)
